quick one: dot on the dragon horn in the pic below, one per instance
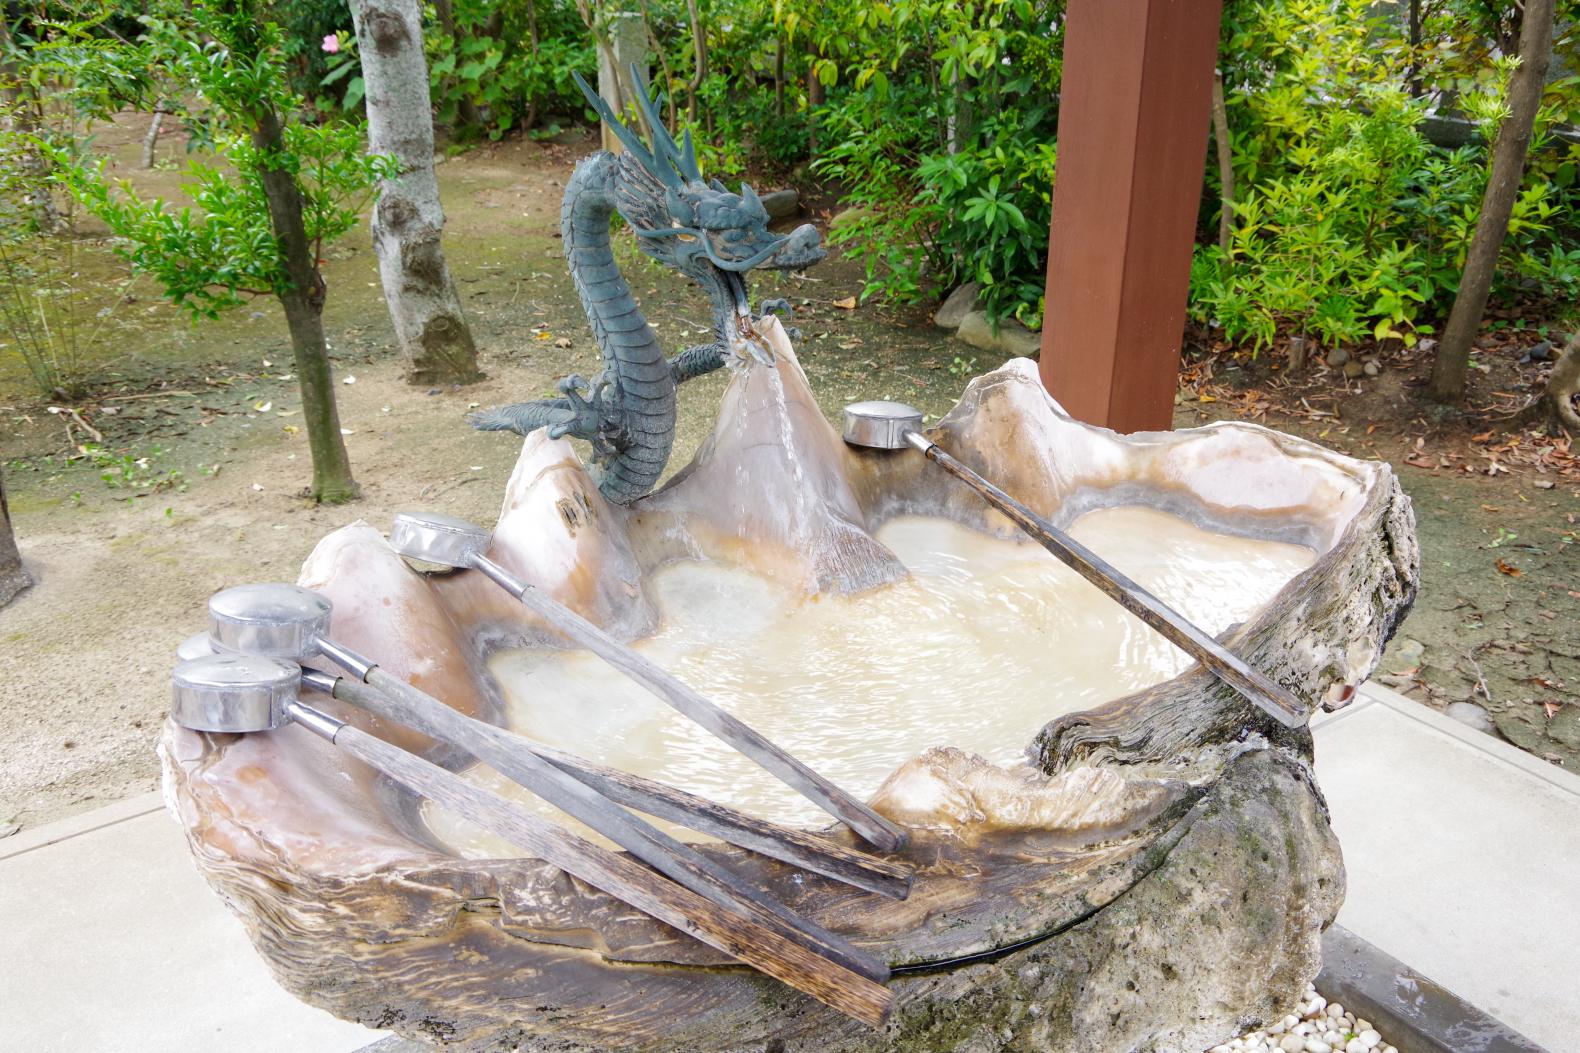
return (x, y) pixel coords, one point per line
(749, 196)
(688, 157)
(632, 142)
(674, 166)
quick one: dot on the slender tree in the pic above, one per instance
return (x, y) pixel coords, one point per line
(409, 218)
(1220, 135)
(1452, 363)
(13, 578)
(259, 230)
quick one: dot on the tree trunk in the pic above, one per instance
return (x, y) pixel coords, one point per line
(1413, 72)
(13, 578)
(699, 59)
(408, 220)
(1497, 204)
(151, 140)
(1220, 134)
(303, 300)
(814, 97)
(779, 78)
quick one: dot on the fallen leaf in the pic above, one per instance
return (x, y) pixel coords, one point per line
(1551, 709)
(1421, 462)
(1510, 569)
(544, 335)
(563, 341)
(847, 304)
(1483, 437)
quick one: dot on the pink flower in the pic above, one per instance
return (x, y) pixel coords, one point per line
(331, 44)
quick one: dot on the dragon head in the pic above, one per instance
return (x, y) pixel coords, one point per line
(697, 226)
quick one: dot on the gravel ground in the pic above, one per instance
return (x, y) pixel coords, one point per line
(1316, 1026)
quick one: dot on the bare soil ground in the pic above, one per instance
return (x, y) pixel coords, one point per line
(123, 570)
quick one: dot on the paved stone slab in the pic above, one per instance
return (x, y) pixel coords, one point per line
(1417, 1014)
(1463, 855)
(110, 942)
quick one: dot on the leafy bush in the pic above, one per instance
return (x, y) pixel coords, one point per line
(1348, 224)
(499, 65)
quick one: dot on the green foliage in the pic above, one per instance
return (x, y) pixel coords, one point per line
(938, 126)
(502, 63)
(211, 253)
(1348, 224)
(49, 324)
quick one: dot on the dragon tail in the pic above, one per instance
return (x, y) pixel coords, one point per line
(523, 418)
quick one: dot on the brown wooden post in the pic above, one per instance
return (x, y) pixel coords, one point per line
(1133, 114)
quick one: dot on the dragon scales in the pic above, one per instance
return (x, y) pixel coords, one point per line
(697, 227)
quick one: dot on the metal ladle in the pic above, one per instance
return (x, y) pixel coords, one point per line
(883, 425)
(246, 694)
(456, 543)
(292, 623)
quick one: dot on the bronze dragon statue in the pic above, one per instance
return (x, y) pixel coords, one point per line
(699, 228)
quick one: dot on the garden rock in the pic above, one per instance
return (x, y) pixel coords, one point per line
(1354, 370)
(957, 305)
(1012, 338)
(1371, 367)
(1337, 357)
(1472, 716)
(781, 204)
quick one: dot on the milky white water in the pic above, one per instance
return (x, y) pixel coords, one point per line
(987, 641)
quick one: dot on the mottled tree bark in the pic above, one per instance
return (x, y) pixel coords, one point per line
(303, 300)
(1452, 363)
(13, 578)
(1220, 135)
(408, 220)
(151, 140)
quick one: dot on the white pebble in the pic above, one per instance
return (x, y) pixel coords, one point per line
(1335, 1010)
(1316, 1045)
(1293, 1043)
(1362, 1025)
(1354, 1045)
(1333, 1038)
(1370, 1038)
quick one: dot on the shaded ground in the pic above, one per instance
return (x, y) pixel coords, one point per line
(207, 459)
(1497, 504)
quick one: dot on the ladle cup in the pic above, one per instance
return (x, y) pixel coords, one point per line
(292, 623)
(456, 543)
(884, 425)
(801, 848)
(247, 693)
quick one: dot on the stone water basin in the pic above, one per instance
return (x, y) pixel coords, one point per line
(1113, 850)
